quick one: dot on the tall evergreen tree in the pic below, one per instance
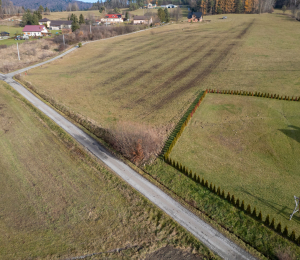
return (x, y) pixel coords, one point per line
(81, 19)
(161, 14)
(167, 15)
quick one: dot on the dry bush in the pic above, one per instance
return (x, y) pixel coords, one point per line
(137, 142)
(4, 46)
(30, 53)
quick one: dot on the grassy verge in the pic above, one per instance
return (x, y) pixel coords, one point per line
(57, 201)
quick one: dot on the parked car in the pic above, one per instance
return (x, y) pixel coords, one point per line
(224, 17)
(18, 38)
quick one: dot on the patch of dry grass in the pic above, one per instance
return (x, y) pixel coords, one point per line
(30, 52)
(56, 202)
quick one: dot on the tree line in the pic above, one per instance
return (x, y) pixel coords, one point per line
(231, 6)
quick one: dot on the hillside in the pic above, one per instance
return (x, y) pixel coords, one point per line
(53, 5)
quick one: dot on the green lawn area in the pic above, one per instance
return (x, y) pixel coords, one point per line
(249, 147)
(56, 202)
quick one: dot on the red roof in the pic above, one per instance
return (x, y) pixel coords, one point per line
(113, 16)
(33, 28)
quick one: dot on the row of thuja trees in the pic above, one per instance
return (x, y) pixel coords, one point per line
(236, 202)
(174, 137)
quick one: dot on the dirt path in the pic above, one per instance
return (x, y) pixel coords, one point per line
(210, 237)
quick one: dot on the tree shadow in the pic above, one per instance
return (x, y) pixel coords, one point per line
(292, 133)
(282, 210)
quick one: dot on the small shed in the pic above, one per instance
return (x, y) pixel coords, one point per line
(4, 34)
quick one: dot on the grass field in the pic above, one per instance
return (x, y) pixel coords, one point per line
(64, 15)
(56, 203)
(152, 77)
(249, 147)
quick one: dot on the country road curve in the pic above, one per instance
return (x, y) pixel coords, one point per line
(210, 237)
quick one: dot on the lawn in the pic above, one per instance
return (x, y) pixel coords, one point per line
(249, 147)
(56, 202)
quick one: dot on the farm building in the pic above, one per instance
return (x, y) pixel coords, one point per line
(59, 25)
(4, 34)
(55, 24)
(142, 20)
(195, 16)
(169, 6)
(45, 21)
(112, 18)
(35, 30)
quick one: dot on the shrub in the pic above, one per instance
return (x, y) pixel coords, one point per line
(254, 212)
(232, 200)
(202, 182)
(298, 241)
(237, 203)
(249, 209)
(46, 47)
(206, 184)
(218, 191)
(3, 46)
(293, 236)
(260, 216)
(285, 232)
(61, 47)
(278, 229)
(228, 197)
(214, 189)
(267, 221)
(272, 225)
(243, 206)
(223, 194)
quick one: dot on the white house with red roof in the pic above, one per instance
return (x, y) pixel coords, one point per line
(35, 30)
(112, 18)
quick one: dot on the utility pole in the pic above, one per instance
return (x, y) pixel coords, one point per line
(90, 28)
(64, 39)
(18, 51)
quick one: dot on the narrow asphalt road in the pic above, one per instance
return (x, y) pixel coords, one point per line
(210, 237)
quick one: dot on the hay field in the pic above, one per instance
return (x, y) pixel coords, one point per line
(249, 147)
(152, 77)
(149, 77)
(55, 203)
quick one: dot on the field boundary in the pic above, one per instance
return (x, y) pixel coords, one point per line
(176, 134)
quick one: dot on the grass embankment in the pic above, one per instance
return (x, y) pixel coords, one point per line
(57, 202)
(249, 147)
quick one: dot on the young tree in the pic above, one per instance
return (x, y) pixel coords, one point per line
(75, 26)
(117, 10)
(161, 14)
(41, 9)
(167, 15)
(283, 8)
(238, 6)
(126, 16)
(102, 8)
(38, 15)
(81, 19)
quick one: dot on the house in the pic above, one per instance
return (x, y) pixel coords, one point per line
(142, 20)
(112, 18)
(150, 6)
(59, 25)
(45, 21)
(195, 16)
(169, 6)
(35, 30)
(4, 34)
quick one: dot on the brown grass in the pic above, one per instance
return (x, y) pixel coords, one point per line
(137, 142)
(30, 53)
